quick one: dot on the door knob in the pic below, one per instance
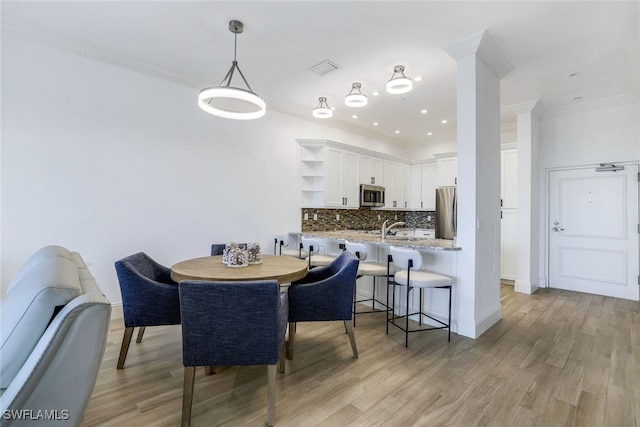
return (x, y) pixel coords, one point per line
(556, 226)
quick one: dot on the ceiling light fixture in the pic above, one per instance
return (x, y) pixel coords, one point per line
(355, 98)
(399, 83)
(417, 79)
(322, 111)
(424, 111)
(228, 101)
(375, 93)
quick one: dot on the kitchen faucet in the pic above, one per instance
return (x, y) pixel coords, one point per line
(386, 229)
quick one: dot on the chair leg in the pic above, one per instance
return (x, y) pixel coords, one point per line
(353, 311)
(420, 308)
(140, 334)
(281, 358)
(272, 372)
(449, 339)
(406, 321)
(289, 350)
(187, 394)
(124, 348)
(352, 338)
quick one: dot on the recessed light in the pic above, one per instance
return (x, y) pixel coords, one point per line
(376, 123)
(444, 122)
(424, 111)
(375, 93)
(397, 131)
(429, 133)
(417, 78)
(333, 108)
(355, 116)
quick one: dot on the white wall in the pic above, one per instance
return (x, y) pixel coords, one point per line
(109, 162)
(605, 135)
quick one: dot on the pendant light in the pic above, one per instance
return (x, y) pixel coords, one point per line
(399, 83)
(355, 98)
(322, 111)
(229, 101)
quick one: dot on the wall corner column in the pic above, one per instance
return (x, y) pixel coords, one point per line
(528, 222)
(480, 66)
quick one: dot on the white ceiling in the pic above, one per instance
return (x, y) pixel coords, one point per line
(189, 42)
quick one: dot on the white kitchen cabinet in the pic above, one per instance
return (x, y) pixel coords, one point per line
(342, 179)
(371, 169)
(427, 233)
(397, 183)
(330, 176)
(509, 213)
(447, 171)
(423, 187)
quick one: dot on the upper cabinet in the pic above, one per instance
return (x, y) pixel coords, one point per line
(370, 170)
(342, 173)
(330, 176)
(447, 171)
(423, 186)
(397, 183)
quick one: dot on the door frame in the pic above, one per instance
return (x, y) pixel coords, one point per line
(546, 223)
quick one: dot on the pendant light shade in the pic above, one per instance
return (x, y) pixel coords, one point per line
(228, 101)
(399, 83)
(355, 98)
(322, 111)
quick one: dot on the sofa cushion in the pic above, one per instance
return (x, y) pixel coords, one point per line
(29, 306)
(36, 257)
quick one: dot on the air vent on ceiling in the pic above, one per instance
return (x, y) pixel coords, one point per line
(324, 67)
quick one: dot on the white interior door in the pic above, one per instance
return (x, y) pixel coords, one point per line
(593, 231)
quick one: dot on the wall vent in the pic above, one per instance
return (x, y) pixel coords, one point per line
(325, 67)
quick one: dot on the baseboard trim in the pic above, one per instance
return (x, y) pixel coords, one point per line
(488, 320)
(525, 287)
(116, 310)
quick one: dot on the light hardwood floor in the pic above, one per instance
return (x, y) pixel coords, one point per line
(555, 358)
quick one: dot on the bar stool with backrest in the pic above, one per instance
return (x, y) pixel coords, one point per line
(373, 269)
(315, 259)
(409, 275)
(281, 247)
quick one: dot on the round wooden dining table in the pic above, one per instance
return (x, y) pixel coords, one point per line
(284, 269)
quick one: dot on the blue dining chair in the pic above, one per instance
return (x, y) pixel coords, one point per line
(230, 324)
(324, 294)
(218, 248)
(149, 297)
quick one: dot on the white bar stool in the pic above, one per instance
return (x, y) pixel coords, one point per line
(313, 248)
(408, 262)
(281, 247)
(373, 269)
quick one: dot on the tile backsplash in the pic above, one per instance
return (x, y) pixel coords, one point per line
(361, 219)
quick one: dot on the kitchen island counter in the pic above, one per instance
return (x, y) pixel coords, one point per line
(420, 243)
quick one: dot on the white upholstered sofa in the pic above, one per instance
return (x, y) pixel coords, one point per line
(53, 329)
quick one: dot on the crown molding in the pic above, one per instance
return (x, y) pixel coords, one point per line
(482, 44)
(583, 107)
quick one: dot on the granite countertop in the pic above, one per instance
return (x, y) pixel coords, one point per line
(373, 237)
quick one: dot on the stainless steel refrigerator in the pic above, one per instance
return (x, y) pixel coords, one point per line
(446, 213)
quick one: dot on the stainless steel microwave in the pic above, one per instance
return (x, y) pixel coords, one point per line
(371, 195)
